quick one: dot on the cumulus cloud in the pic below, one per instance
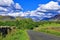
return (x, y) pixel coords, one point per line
(49, 6)
(9, 6)
(36, 13)
(16, 14)
(3, 9)
(58, 0)
(13, 14)
(44, 10)
(59, 12)
(6, 2)
(17, 6)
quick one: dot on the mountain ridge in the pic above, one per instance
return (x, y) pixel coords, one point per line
(35, 18)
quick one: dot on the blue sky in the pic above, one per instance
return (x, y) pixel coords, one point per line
(28, 8)
(29, 5)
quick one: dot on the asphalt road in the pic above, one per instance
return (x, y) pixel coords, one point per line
(41, 36)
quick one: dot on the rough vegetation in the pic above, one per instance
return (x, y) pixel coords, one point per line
(23, 24)
(16, 34)
(51, 27)
(20, 32)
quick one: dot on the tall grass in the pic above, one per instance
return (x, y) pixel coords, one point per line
(49, 27)
(16, 35)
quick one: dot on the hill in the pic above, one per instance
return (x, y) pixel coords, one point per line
(6, 17)
(55, 18)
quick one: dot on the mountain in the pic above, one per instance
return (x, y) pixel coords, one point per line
(35, 18)
(55, 18)
(6, 17)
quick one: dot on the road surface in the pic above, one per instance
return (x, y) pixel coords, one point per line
(41, 36)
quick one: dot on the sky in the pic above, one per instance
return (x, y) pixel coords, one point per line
(30, 8)
(29, 5)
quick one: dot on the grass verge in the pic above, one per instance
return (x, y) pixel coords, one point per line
(49, 28)
(16, 35)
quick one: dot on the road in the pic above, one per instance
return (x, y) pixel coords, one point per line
(41, 36)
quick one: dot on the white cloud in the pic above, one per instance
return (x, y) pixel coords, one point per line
(13, 14)
(3, 9)
(16, 14)
(45, 8)
(39, 12)
(39, 9)
(49, 14)
(59, 11)
(26, 13)
(49, 6)
(6, 2)
(58, 0)
(35, 13)
(17, 6)
(9, 6)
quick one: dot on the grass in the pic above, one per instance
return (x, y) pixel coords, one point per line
(16, 35)
(52, 28)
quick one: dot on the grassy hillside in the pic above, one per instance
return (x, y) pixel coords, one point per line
(52, 27)
(23, 24)
(6, 18)
(20, 32)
